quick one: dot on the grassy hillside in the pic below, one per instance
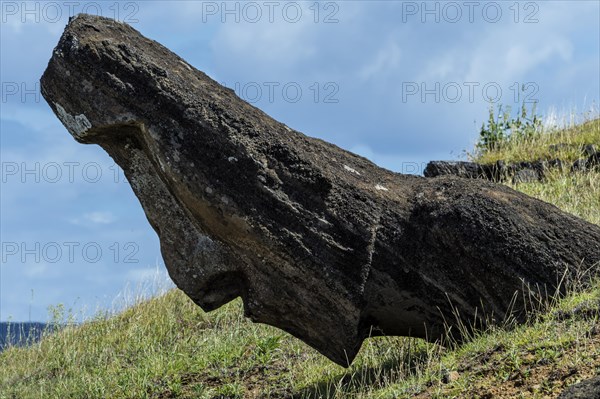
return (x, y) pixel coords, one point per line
(576, 193)
(168, 348)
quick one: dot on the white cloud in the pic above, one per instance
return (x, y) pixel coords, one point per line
(38, 118)
(503, 57)
(94, 218)
(387, 59)
(35, 270)
(99, 217)
(143, 275)
(278, 44)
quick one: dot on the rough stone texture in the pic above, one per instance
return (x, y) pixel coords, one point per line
(589, 389)
(316, 240)
(590, 163)
(466, 170)
(519, 172)
(590, 149)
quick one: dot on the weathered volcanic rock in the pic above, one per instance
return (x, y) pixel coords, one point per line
(590, 163)
(588, 389)
(316, 240)
(466, 170)
(519, 172)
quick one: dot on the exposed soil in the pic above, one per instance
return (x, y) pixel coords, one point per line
(534, 378)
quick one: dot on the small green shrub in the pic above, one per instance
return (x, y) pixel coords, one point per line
(266, 347)
(502, 128)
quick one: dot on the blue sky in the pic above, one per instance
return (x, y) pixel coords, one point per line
(397, 81)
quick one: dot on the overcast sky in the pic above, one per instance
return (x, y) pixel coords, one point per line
(396, 81)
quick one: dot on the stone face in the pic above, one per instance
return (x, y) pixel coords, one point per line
(317, 241)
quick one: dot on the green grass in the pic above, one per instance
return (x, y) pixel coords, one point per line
(576, 193)
(167, 347)
(538, 147)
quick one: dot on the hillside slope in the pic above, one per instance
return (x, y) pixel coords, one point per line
(169, 348)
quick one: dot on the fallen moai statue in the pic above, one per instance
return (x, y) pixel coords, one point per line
(518, 172)
(317, 241)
